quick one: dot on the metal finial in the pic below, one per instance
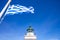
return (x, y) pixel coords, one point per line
(30, 29)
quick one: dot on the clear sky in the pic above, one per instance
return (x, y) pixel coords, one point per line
(45, 20)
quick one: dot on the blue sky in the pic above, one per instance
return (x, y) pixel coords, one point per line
(45, 20)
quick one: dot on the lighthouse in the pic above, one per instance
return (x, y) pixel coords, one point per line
(30, 35)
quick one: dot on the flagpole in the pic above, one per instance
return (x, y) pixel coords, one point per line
(5, 7)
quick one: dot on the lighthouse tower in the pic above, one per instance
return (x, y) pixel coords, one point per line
(30, 34)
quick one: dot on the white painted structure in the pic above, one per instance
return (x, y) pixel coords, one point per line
(30, 34)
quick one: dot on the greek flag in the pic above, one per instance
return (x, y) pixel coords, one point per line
(14, 9)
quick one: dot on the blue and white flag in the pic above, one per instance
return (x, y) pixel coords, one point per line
(14, 9)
